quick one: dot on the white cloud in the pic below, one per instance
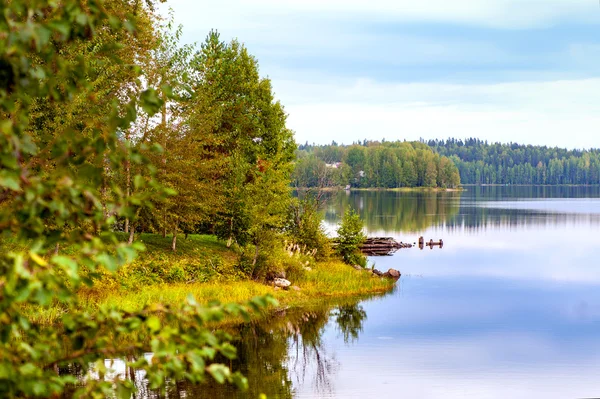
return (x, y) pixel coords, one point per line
(562, 113)
(498, 13)
(306, 45)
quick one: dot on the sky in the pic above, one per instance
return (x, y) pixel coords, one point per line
(525, 71)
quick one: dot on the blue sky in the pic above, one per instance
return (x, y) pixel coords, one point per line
(525, 71)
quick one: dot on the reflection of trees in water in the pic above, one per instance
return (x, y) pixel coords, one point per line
(349, 320)
(474, 219)
(275, 354)
(308, 356)
(416, 211)
(395, 211)
(531, 192)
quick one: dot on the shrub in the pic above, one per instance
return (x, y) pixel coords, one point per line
(350, 236)
(305, 230)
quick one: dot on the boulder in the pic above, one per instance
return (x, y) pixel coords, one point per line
(281, 283)
(295, 288)
(357, 267)
(392, 273)
(377, 272)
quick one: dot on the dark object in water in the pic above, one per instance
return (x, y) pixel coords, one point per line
(430, 244)
(382, 246)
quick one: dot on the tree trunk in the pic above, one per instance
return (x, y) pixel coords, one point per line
(174, 243)
(56, 248)
(104, 186)
(164, 156)
(127, 179)
(131, 234)
(255, 255)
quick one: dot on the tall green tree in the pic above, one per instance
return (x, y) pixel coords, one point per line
(243, 130)
(61, 142)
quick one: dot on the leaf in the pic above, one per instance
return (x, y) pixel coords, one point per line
(240, 381)
(153, 323)
(228, 351)
(138, 182)
(8, 181)
(150, 101)
(108, 261)
(67, 264)
(219, 372)
(124, 390)
(37, 259)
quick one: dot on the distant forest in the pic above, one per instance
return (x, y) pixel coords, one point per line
(483, 163)
(373, 164)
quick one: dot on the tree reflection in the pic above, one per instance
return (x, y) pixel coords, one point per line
(396, 211)
(278, 353)
(349, 320)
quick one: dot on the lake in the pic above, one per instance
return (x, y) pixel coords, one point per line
(508, 308)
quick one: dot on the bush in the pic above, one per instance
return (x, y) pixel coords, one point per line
(350, 236)
(305, 230)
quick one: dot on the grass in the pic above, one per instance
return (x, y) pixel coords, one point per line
(205, 268)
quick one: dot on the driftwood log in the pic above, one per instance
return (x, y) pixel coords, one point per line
(381, 246)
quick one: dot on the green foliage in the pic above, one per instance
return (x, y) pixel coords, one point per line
(70, 91)
(482, 163)
(350, 237)
(374, 164)
(248, 145)
(304, 227)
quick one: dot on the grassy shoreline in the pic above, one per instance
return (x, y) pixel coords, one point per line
(137, 285)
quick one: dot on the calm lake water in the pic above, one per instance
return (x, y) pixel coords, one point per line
(509, 308)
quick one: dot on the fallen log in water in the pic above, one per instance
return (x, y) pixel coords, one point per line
(381, 246)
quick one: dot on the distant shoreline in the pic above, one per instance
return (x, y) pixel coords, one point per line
(397, 189)
(530, 185)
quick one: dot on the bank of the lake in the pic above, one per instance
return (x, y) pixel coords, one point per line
(395, 189)
(205, 267)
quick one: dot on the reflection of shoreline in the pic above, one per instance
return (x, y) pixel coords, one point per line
(408, 212)
(476, 218)
(278, 353)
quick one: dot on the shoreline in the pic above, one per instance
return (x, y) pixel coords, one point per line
(396, 189)
(325, 281)
(532, 185)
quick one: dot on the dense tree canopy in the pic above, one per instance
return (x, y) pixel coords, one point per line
(107, 124)
(483, 163)
(374, 164)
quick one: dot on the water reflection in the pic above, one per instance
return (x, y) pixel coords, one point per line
(510, 308)
(477, 208)
(286, 352)
(395, 211)
(278, 355)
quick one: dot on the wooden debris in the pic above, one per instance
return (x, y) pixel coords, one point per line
(381, 246)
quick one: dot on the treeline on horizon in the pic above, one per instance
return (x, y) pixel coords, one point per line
(480, 162)
(373, 164)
